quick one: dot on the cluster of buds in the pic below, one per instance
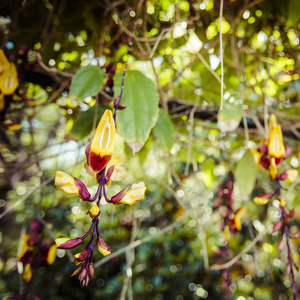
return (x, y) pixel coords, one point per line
(231, 224)
(105, 167)
(268, 156)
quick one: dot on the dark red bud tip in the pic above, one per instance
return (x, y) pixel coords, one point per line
(292, 213)
(264, 148)
(121, 107)
(266, 196)
(83, 191)
(277, 226)
(70, 244)
(87, 153)
(116, 100)
(283, 176)
(109, 173)
(118, 197)
(36, 226)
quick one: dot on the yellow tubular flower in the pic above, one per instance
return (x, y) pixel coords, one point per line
(25, 247)
(103, 143)
(66, 183)
(257, 156)
(272, 122)
(9, 80)
(260, 200)
(276, 146)
(51, 254)
(3, 62)
(103, 247)
(27, 274)
(134, 195)
(282, 202)
(273, 168)
(237, 218)
(94, 211)
(292, 175)
(226, 233)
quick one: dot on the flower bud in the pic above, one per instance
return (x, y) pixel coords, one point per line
(103, 143)
(263, 199)
(94, 211)
(103, 247)
(132, 196)
(66, 243)
(276, 146)
(237, 218)
(91, 270)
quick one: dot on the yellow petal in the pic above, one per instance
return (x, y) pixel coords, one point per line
(134, 195)
(3, 62)
(51, 254)
(282, 202)
(257, 156)
(27, 274)
(94, 211)
(237, 218)
(9, 80)
(273, 168)
(66, 183)
(119, 173)
(25, 247)
(226, 233)
(103, 143)
(292, 175)
(276, 146)
(272, 122)
(61, 241)
(260, 200)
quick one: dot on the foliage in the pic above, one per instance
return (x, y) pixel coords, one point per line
(201, 231)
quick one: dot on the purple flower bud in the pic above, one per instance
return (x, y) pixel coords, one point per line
(277, 226)
(283, 175)
(109, 173)
(36, 225)
(83, 191)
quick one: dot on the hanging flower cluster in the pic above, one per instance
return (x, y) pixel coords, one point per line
(269, 156)
(102, 164)
(8, 78)
(35, 252)
(231, 224)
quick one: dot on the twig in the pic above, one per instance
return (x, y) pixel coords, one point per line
(221, 53)
(139, 242)
(191, 132)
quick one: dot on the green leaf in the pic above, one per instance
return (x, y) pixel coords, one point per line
(164, 130)
(141, 98)
(208, 173)
(245, 174)
(230, 117)
(83, 124)
(86, 82)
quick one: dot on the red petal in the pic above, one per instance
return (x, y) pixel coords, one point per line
(118, 197)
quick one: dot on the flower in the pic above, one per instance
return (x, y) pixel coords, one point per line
(26, 250)
(237, 218)
(94, 211)
(133, 196)
(51, 254)
(27, 274)
(66, 243)
(3, 62)
(262, 199)
(99, 152)
(282, 202)
(71, 186)
(9, 79)
(103, 247)
(275, 146)
(290, 175)
(226, 233)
